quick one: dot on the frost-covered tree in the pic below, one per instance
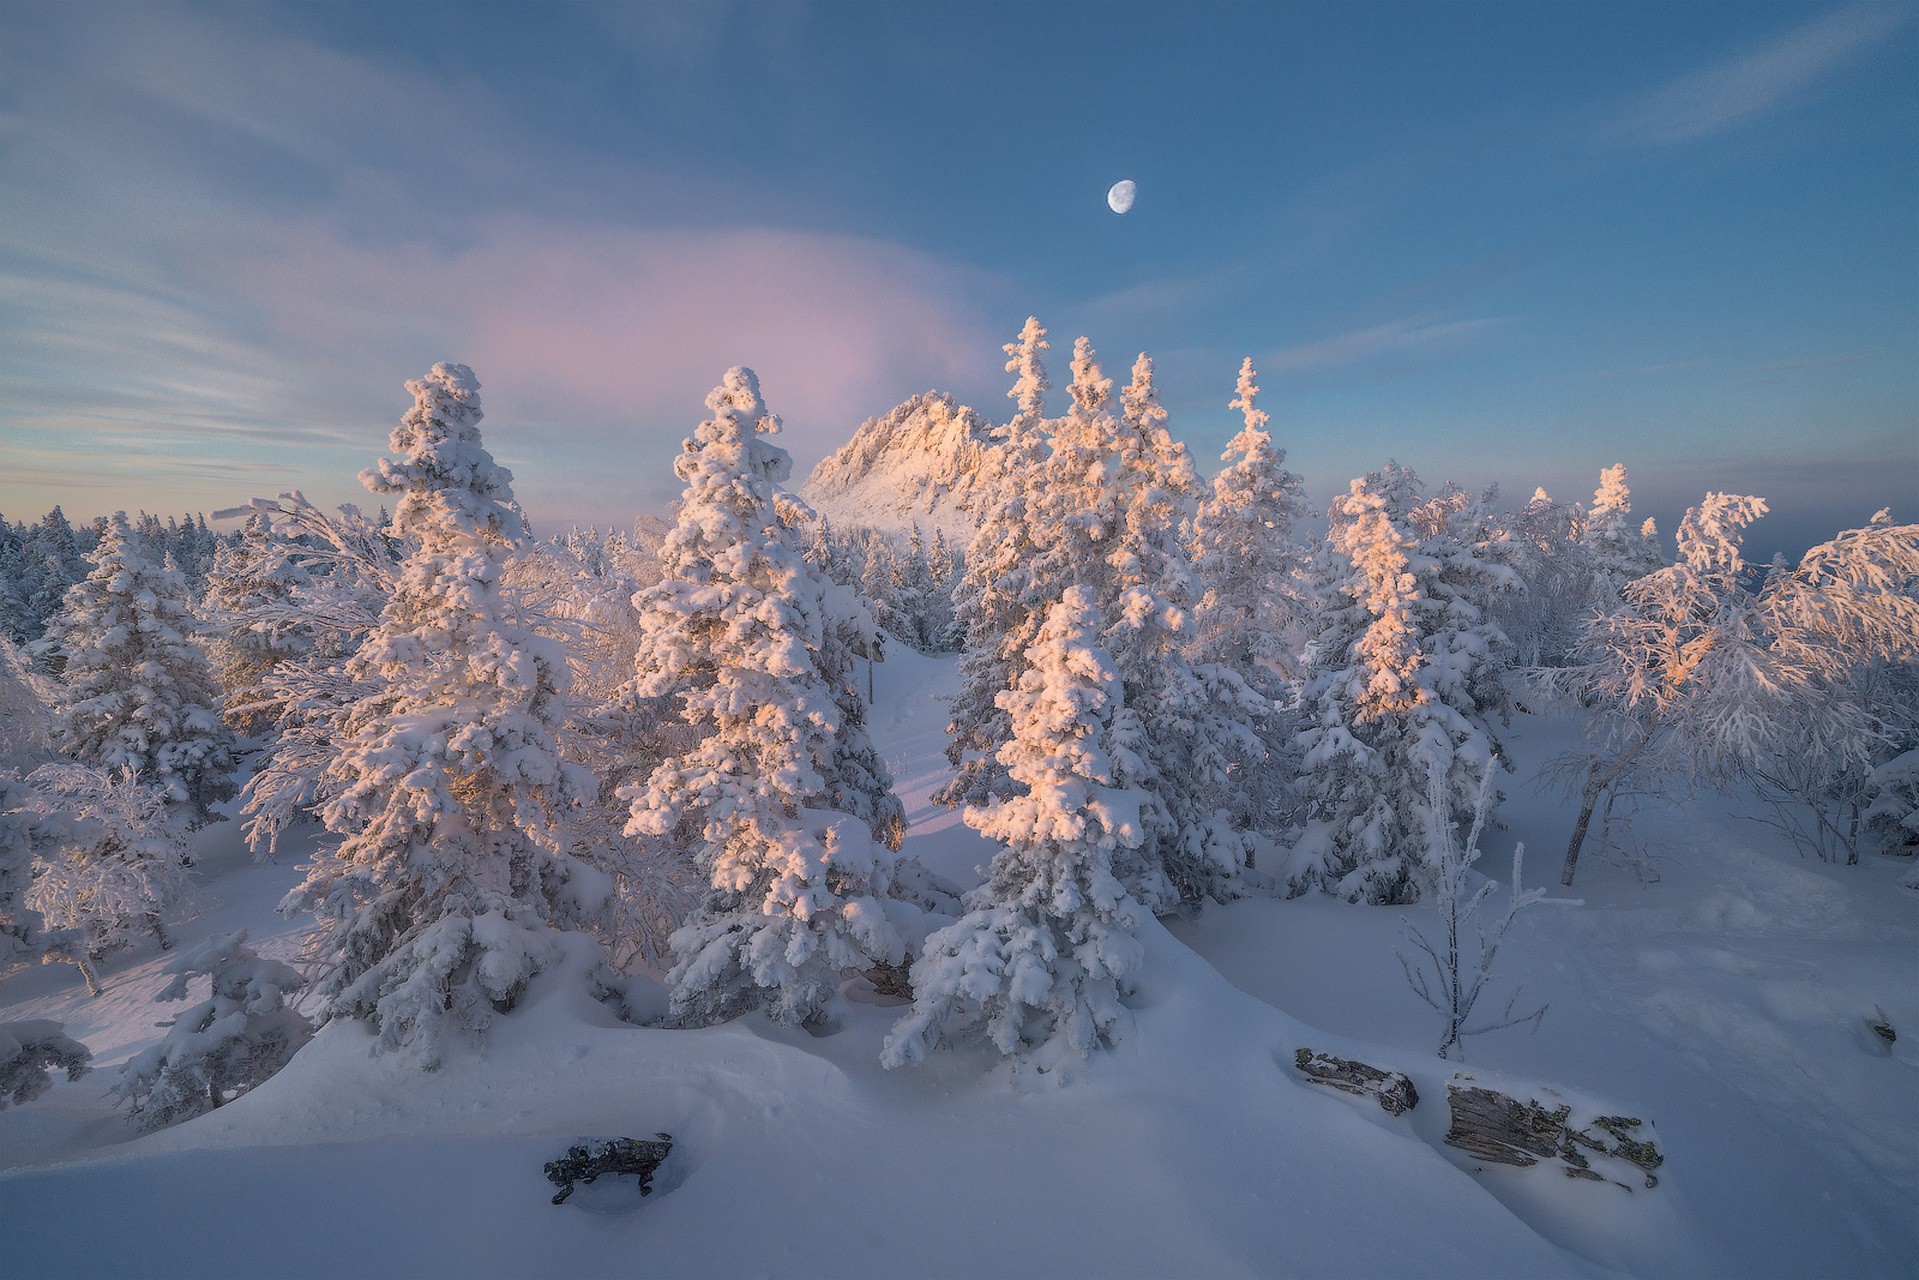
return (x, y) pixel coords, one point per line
(1046, 952)
(1249, 555)
(1621, 551)
(139, 694)
(1402, 683)
(338, 569)
(735, 632)
(237, 1038)
(1457, 967)
(1702, 676)
(439, 901)
(997, 603)
(256, 624)
(108, 863)
(1185, 728)
(30, 1052)
(1539, 542)
(1252, 617)
(1105, 508)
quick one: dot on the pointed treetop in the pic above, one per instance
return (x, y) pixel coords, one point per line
(1710, 534)
(1247, 399)
(1029, 375)
(1091, 390)
(443, 469)
(1612, 494)
(734, 437)
(1141, 398)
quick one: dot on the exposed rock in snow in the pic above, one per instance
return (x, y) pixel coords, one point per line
(926, 462)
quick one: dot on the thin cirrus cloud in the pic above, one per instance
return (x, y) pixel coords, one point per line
(1412, 335)
(1721, 97)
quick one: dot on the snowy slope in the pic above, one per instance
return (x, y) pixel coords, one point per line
(1720, 1003)
(923, 462)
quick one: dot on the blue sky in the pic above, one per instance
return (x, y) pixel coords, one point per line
(1498, 242)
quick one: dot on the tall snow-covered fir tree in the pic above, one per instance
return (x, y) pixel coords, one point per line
(735, 631)
(1048, 948)
(1106, 508)
(440, 900)
(1401, 683)
(998, 604)
(1247, 550)
(1183, 725)
(1253, 616)
(138, 694)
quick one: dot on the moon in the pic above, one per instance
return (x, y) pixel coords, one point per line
(1120, 198)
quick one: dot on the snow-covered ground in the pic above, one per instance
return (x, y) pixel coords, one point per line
(1724, 1004)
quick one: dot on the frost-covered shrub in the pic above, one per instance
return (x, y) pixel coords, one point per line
(109, 862)
(30, 1052)
(1707, 674)
(1457, 967)
(1893, 815)
(221, 1047)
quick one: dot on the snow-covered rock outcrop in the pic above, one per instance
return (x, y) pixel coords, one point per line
(924, 462)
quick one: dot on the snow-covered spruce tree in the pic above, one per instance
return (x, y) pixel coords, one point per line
(1253, 615)
(53, 558)
(997, 603)
(1621, 550)
(1402, 681)
(1700, 678)
(238, 1037)
(735, 631)
(139, 694)
(439, 902)
(943, 575)
(30, 1052)
(1249, 556)
(109, 863)
(1185, 728)
(1046, 951)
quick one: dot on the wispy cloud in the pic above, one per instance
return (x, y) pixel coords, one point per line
(1410, 335)
(1818, 362)
(164, 304)
(1645, 370)
(1727, 94)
